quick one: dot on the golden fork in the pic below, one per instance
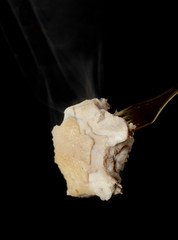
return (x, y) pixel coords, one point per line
(145, 113)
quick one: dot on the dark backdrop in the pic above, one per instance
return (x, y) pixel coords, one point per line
(139, 62)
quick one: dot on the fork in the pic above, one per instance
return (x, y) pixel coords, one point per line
(145, 113)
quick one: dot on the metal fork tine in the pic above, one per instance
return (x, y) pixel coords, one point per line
(145, 113)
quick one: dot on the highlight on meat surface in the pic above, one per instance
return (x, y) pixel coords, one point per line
(91, 147)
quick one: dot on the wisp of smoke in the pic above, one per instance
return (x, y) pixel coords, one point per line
(66, 40)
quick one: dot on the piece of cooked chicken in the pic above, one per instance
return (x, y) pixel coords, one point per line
(91, 146)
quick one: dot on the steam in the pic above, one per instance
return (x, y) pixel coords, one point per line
(71, 41)
(65, 38)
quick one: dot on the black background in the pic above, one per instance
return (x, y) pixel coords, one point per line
(140, 62)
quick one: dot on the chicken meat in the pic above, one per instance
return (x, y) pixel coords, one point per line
(91, 147)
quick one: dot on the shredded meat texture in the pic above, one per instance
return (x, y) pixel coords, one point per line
(91, 147)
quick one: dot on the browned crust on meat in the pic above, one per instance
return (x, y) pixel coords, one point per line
(73, 156)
